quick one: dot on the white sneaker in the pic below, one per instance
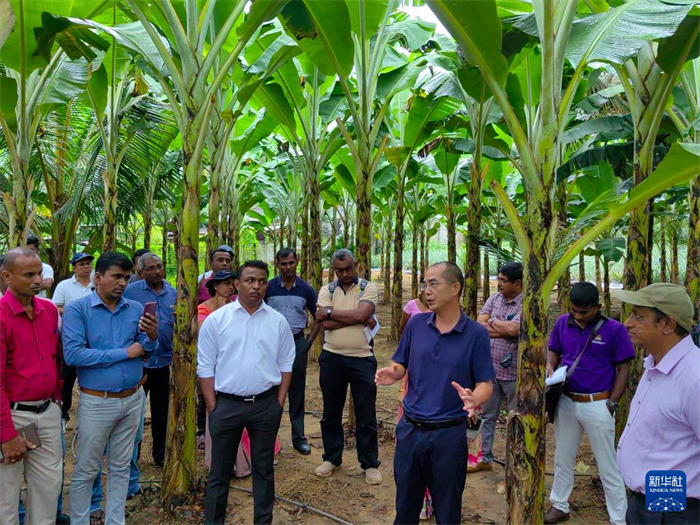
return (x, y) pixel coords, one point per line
(373, 476)
(325, 469)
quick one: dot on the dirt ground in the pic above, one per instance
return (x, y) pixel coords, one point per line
(346, 495)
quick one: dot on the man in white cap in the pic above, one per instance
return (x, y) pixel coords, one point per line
(663, 428)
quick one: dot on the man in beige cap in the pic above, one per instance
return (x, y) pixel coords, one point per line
(663, 428)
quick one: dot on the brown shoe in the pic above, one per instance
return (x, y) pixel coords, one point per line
(480, 467)
(554, 515)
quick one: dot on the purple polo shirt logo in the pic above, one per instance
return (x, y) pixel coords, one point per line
(665, 491)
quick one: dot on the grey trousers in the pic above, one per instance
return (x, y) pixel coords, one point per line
(491, 409)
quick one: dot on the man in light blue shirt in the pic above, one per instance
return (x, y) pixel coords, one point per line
(153, 288)
(106, 337)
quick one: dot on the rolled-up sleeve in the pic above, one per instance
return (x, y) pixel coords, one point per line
(76, 349)
(206, 349)
(287, 351)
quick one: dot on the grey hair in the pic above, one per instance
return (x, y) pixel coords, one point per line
(142, 260)
(342, 254)
(15, 253)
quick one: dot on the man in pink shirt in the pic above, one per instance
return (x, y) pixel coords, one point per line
(30, 390)
(663, 428)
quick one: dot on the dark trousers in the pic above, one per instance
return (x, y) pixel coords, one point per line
(226, 424)
(337, 372)
(637, 513)
(70, 374)
(158, 387)
(297, 391)
(436, 459)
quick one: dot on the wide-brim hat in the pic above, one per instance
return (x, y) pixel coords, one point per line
(221, 275)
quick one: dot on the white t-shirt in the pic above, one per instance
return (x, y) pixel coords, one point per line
(70, 290)
(47, 273)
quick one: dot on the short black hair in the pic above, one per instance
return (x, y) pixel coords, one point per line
(512, 270)
(260, 265)
(452, 273)
(109, 259)
(139, 253)
(286, 252)
(584, 294)
(217, 250)
(659, 315)
(33, 240)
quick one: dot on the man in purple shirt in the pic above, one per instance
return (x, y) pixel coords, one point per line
(590, 398)
(663, 428)
(501, 318)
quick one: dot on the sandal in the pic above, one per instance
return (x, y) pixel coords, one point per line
(97, 517)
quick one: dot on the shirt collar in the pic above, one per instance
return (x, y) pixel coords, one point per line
(238, 306)
(294, 285)
(17, 307)
(671, 359)
(163, 290)
(459, 327)
(354, 282)
(96, 300)
(570, 322)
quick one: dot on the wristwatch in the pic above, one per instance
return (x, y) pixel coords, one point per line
(612, 406)
(491, 320)
(328, 312)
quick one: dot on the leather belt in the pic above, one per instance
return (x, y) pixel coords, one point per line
(587, 398)
(434, 425)
(37, 409)
(298, 336)
(114, 395)
(249, 399)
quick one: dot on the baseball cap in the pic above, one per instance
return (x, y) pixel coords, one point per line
(224, 248)
(81, 256)
(671, 299)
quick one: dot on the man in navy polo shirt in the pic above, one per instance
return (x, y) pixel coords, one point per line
(590, 398)
(448, 360)
(293, 298)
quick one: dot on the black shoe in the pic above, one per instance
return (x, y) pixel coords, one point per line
(62, 519)
(137, 493)
(303, 448)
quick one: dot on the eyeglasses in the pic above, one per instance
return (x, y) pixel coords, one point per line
(433, 284)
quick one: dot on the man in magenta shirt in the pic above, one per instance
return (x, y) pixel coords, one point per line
(30, 390)
(663, 428)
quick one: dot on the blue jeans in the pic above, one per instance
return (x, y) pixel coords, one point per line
(102, 422)
(96, 499)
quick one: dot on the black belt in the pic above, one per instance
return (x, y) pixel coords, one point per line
(249, 399)
(37, 409)
(434, 425)
(690, 503)
(298, 336)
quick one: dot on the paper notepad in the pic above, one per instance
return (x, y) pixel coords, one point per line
(371, 332)
(559, 376)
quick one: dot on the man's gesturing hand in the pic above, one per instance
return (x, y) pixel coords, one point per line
(385, 376)
(467, 397)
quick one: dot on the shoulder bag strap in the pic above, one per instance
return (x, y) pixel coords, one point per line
(594, 333)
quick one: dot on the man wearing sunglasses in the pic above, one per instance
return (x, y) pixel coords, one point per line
(501, 317)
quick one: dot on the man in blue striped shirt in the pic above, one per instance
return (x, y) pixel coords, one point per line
(107, 337)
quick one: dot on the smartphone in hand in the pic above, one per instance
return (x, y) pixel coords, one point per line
(150, 308)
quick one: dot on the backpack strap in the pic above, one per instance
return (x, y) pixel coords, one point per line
(363, 285)
(331, 288)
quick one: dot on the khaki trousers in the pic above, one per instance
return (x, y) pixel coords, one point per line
(42, 469)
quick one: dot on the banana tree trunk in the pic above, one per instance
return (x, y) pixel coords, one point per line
(471, 264)
(563, 290)
(486, 281)
(304, 253)
(421, 248)
(213, 224)
(109, 229)
(675, 267)
(363, 233)
(315, 268)
(379, 246)
(598, 278)
(414, 260)
(525, 430)
(663, 252)
(451, 235)
(397, 281)
(164, 241)
(692, 272)
(333, 243)
(581, 267)
(426, 248)
(147, 226)
(387, 264)
(180, 474)
(650, 251)
(564, 283)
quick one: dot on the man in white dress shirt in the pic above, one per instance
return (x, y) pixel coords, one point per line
(244, 363)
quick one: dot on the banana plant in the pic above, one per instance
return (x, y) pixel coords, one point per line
(35, 77)
(478, 32)
(356, 35)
